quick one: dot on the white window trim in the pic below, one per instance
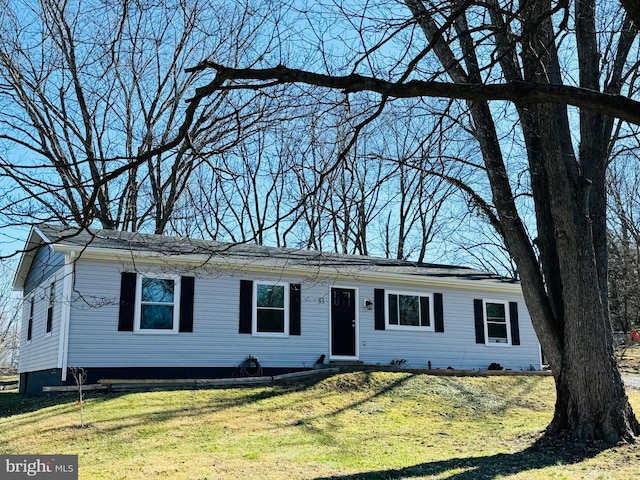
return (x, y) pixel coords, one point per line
(419, 328)
(53, 308)
(31, 314)
(254, 310)
(507, 320)
(176, 305)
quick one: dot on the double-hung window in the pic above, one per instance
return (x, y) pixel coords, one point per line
(52, 302)
(496, 322)
(271, 302)
(31, 308)
(156, 303)
(412, 311)
(269, 308)
(157, 309)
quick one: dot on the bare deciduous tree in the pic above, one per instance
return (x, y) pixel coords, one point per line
(541, 57)
(624, 247)
(90, 89)
(9, 319)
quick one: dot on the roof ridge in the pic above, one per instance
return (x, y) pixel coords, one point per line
(177, 245)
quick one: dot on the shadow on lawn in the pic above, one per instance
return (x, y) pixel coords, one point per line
(18, 403)
(489, 467)
(13, 403)
(42, 406)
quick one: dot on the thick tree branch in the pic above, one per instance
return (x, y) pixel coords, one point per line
(520, 93)
(633, 10)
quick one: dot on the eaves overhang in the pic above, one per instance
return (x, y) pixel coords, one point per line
(35, 240)
(411, 276)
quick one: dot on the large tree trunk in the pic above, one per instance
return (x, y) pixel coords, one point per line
(565, 283)
(591, 402)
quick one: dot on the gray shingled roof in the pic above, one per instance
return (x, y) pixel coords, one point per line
(181, 246)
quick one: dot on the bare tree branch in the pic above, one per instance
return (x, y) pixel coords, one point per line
(520, 93)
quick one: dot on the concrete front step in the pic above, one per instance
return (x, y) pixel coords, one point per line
(346, 363)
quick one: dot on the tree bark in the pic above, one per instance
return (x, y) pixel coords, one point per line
(591, 403)
(563, 271)
(633, 10)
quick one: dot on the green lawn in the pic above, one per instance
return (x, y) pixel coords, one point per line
(364, 425)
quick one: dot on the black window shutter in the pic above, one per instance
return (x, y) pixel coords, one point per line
(438, 312)
(246, 305)
(127, 301)
(378, 305)
(515, 327)
(186, 303)
(294, 309)
(479, 320)
(425, 317)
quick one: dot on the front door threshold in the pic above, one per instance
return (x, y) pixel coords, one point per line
(346, 362)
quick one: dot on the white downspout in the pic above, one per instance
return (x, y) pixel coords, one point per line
(67, 288)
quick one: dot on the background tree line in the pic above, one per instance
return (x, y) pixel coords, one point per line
(624, 247)
(93, 87)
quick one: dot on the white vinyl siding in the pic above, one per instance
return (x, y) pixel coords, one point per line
(94, 339)
(41, 351)
(455, 347)
(215, 342)
(45, 263)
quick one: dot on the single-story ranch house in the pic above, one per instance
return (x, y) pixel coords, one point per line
(130, 305)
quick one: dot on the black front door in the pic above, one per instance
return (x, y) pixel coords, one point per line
(343, 322)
